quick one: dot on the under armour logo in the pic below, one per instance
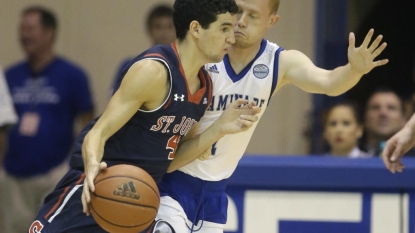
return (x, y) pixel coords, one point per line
(176, 97)
(127, 190)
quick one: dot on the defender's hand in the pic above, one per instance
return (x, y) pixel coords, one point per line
(361, 59)
(239, 116)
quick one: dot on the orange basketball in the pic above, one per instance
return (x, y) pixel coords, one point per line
(126, 199)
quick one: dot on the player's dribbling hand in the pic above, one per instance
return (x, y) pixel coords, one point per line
(92, 168)
(361, 59)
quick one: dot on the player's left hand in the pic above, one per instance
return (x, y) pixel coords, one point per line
(92, 168)
(361, 59)
(239, 116)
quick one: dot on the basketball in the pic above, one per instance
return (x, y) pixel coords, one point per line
(126, 199)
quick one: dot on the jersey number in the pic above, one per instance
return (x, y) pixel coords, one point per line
(36, 227)
(172, 145)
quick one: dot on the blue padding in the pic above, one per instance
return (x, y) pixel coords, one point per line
(314, 172)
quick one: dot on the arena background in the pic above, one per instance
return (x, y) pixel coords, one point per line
(99, 34)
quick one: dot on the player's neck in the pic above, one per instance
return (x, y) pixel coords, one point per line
(241, 57)
(190, 59)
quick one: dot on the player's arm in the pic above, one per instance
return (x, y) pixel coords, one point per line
(233, 120)
(298, 69)
(136, 91)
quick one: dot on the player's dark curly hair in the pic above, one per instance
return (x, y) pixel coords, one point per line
(203, 11)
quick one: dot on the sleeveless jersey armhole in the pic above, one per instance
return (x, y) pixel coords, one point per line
(170, 79)
(275, 74)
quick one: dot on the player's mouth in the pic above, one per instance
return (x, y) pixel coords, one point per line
(239, 34)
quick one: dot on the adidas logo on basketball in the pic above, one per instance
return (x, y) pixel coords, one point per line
(127, 190)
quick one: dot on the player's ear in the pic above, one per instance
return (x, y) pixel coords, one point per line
(194, 28)
(273, 19)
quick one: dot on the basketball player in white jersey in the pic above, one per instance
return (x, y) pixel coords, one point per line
(193, 194)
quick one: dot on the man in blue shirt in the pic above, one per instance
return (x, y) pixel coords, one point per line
(49, 94)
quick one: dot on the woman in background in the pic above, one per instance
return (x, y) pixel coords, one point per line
(342, 130)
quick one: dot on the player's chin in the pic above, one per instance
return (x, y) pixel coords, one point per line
(217, 58)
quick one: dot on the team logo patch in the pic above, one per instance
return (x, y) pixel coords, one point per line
(261, 71)
(127, 190)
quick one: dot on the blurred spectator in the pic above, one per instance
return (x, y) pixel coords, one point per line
(7, 117)
(160, 29)
(384, 116)
(7, 114)
(49, 93)
(342, 131)
(159, 25)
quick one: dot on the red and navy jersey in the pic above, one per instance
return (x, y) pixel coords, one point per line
(150, 138)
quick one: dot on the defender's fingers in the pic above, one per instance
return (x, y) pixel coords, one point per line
(379, 50)
(381, 62)
(375, 43)
(352, 41)
(368, 38)
(237, 103)
(245, 124)
(251, 118)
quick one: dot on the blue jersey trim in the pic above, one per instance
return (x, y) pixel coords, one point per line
(231, 73)
(275, 74)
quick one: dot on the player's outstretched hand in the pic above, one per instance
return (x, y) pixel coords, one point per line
(92, 168)
(362, 59)
(239, 116)
(396, 147)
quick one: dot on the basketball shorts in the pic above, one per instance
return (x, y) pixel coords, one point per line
(61, 211)
(190, 204)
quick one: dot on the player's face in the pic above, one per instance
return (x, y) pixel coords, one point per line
(34, 38)
(218, 37)
(253, 20)
(162, 30)
(342, 130)
(384, 115)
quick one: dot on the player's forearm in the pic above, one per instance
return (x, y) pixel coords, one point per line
(190, 150)
(93, 146)
(341, 80)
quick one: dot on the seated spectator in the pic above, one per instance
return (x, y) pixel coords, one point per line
(342, 131)
(384, 116)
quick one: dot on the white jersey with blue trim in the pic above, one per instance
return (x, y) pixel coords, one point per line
(256, 82)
